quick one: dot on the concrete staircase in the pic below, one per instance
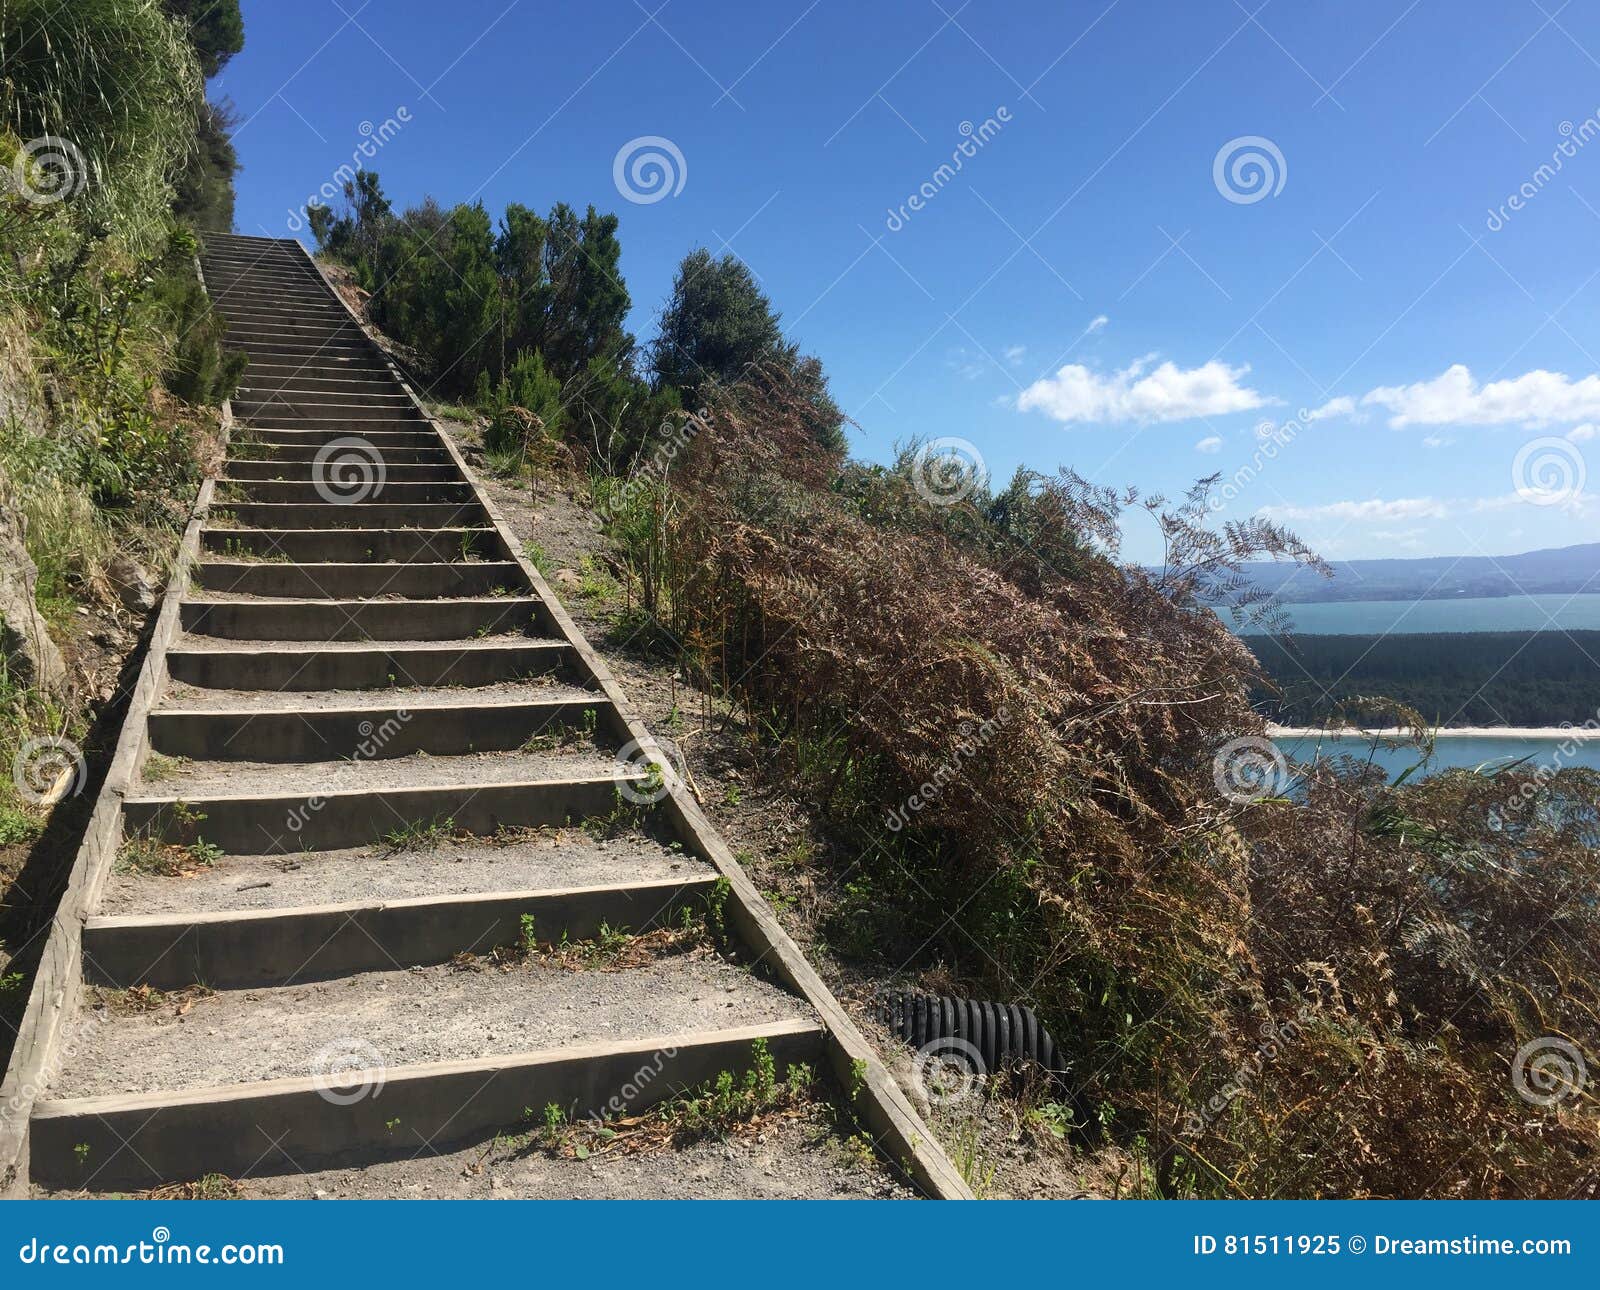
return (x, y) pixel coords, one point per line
(373, 743)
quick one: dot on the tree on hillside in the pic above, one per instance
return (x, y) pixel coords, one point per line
(719, 328)
(214, 27)
(716, 324)
(587, 299)
(205, 188)
(519, 253)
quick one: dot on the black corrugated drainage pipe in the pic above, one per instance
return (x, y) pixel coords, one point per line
(986, 1037)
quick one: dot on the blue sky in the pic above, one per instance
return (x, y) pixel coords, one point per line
(1097, 284)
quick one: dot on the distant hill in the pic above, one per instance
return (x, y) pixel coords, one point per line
(1558, 571)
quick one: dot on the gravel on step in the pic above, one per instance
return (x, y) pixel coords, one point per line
(542, 860)
(191, 698)
(422, 1015)
(189, 780)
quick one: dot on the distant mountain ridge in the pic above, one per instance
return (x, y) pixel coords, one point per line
(1564, 570)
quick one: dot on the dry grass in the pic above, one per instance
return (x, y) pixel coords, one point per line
(1323, 997)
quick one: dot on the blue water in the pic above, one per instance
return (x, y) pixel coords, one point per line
(1452, 751)
(1496, 614)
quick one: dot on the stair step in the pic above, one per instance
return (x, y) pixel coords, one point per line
(365, 368)
(343, 383)
(329, 491)
(318, 819)
(370, 620)
(237, 949)
(457, 726)
(533, 860)
(272, 666)
(255, 470)
(141, 1140)
(351, 546)
(267, 454)
(335, 421)
(367, 515)
(382, 397)
(269, 434)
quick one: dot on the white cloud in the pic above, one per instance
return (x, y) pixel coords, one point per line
(1211, 443)
(1536, 398)
(1583, 433)
(1437, 441)
(1169, 393)
(1013, 354)
(1370, 511)
(1097, 323)
(1343, 406)
(1388, 511)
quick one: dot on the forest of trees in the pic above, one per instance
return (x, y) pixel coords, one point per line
(530, 313)
(1452, 679)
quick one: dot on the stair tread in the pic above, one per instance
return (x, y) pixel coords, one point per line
(198, 780)
(199, 643)
(409, 1018)
(192, 699)
(524, 860)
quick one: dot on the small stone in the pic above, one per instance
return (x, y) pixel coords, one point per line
(133, 585)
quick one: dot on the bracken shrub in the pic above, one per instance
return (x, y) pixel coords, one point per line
(1323, 993)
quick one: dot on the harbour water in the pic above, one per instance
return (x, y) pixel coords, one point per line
(1469, 751)
(1493, 614)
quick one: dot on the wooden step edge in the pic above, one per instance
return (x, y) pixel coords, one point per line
(141, 1140)
(258, 948)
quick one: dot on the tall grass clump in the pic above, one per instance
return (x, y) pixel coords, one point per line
(116, 79)
(104, 333)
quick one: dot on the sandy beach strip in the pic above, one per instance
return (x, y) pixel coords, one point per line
(1553, 733)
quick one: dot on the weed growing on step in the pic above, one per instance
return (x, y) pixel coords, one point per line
(211, 1187)
(420, 835)
(610, 949)
(624, 817)
(158, 767)
(143, 1000)
(731, 1105)
(558, 738)
(157, 858)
